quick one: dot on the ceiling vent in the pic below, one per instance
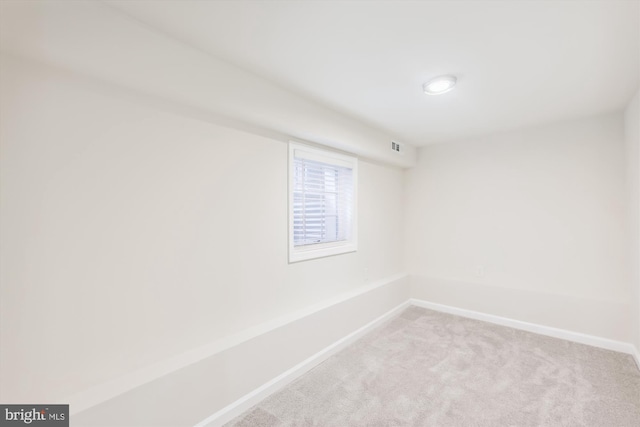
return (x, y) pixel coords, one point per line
(397, 147)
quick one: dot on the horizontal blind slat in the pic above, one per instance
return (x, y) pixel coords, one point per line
(322, 202)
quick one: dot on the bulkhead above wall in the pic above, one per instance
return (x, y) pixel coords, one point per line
(94, 39)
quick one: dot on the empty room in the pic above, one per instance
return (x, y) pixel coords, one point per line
(319, 213)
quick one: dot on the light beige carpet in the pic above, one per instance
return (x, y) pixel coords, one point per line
(426, 368)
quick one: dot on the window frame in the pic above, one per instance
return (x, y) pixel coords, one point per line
(321, 250)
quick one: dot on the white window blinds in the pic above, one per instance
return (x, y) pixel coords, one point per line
(323, 198)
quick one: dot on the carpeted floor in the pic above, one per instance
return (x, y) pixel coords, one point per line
(426, 368)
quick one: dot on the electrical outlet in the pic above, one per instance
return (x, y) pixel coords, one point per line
(480, 270)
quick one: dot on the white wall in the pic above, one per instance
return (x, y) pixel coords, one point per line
(132, 233)
(529, 225)
(143, 218)
(92, 38)
(632, 145)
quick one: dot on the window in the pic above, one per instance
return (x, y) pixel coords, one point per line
(322, 203)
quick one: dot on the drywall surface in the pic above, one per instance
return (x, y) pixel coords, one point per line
(94, 39)
(530, 225)
(632, 145)
(202, 389)
(133, 233)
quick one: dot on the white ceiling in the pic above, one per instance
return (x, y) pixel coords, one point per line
(519, 63)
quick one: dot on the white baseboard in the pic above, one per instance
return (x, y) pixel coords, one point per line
(236, 408)
(591, 340)
(231, 411)
(636, 356)
(101, 393)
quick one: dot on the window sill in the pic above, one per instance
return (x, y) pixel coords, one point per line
(320, 251)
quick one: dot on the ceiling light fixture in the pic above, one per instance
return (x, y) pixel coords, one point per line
(441, 84)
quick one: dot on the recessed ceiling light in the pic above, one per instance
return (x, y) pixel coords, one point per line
(439, 85)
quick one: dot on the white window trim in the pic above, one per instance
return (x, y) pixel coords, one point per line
(321, 250)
